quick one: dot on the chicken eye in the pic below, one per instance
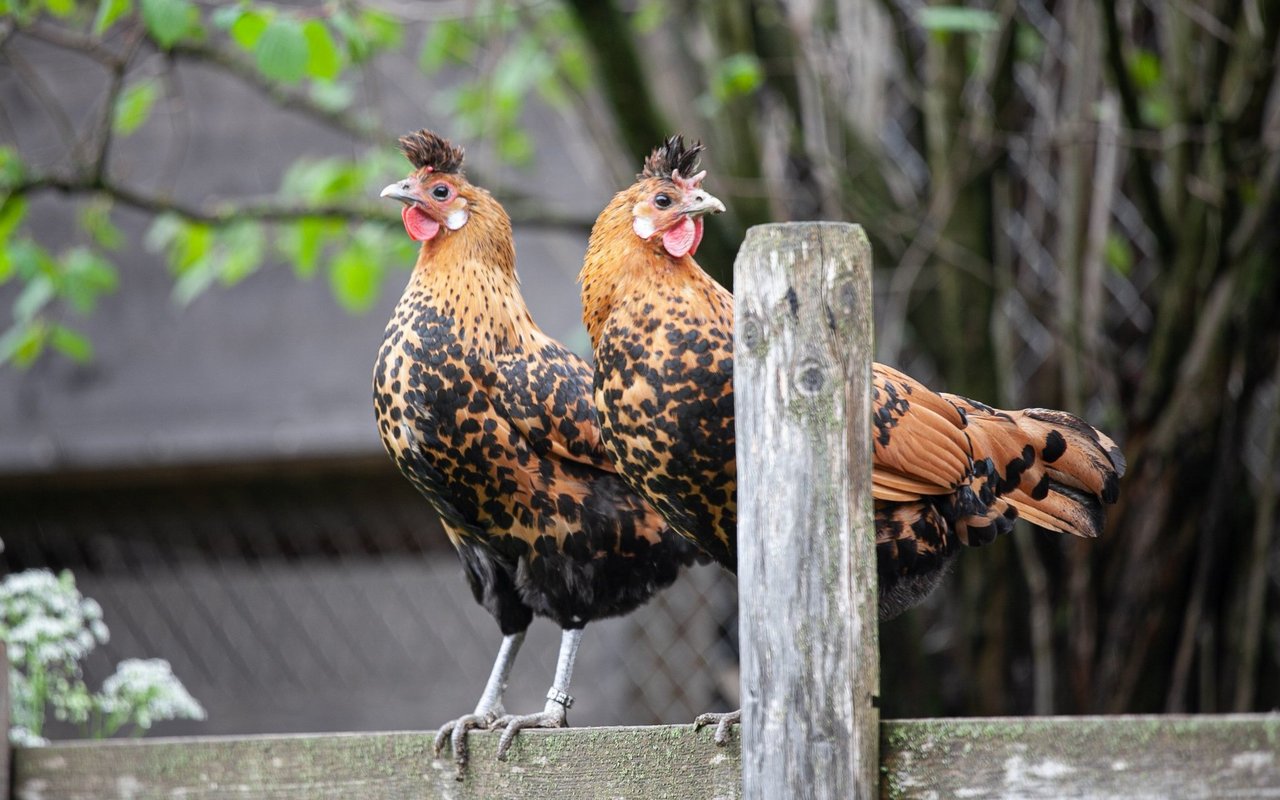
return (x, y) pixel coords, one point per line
(662, 201)
(440, 191)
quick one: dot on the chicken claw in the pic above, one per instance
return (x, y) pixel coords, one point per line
(722, 721)
(456, 730)
(552, 717)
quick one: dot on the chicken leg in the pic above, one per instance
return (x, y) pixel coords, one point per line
(553, 715)
(488, 709)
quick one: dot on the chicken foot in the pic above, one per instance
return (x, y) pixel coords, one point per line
(554, 714)
(487, 710)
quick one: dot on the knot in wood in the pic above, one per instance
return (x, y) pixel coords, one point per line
(845, 297)
(752, 332)
(811, 376)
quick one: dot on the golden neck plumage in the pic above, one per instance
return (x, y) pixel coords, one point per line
(470, 275)
(620, 266)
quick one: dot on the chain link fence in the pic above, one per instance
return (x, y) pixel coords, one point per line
(334, 602)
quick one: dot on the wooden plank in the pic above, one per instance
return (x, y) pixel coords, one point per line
(1131, 757)
(575, 764)
(1045, 757)
(806, 545)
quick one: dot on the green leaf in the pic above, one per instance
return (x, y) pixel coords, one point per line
(355, 277)
(163, 232)
(1117, 253)
(248, 28)
(22, 343)
(25, 259)
(108, 12)
(191, 247)
(282, 51)
(72, 344)
(227, 15)
(358, 47)
(34, 297)
(169, 21)
(737, 76)
(242, 247)
(303, 242)
(11, 169)
(133, 106)
(323, 58)
(649, 16)
(85, 277)
(448, 41)
(957, 19)
(382, 30)
(95, 219)
(12, 211)
(192, 283)
(332, 96)
(60, 8)
(515, 146)
(1145, 70)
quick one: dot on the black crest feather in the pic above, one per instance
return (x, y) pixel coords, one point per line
(426, 149)
(670, 156)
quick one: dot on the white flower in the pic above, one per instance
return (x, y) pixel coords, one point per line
(150, 689)
(21, 737)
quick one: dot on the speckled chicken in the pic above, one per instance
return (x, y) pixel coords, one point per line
(492, 421)
(946, 471)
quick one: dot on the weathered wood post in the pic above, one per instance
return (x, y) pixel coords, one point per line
(806, 549)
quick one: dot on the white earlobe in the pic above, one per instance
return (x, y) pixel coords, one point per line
(643, 227)
(457, 219)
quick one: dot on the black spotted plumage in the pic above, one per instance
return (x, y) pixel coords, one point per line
(946, 471)
(493, 422)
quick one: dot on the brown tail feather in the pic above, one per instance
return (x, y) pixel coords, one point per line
(1059, 471)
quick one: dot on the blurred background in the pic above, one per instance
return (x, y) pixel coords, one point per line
(1072, 205)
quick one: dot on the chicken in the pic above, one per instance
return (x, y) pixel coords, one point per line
(946, 471)
(492, 421)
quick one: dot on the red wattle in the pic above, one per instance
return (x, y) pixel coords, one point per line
(417, 224)
(681, 238)
(697, 235)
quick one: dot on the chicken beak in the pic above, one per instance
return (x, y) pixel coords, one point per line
(400, 190)
(699, 203)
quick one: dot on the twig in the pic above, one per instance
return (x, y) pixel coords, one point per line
(270, 210)
(1149, 192)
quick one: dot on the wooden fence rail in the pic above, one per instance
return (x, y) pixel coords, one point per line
(1187, 757)
(809, 639)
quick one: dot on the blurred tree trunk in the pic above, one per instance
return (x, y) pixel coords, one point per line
(1073, 205)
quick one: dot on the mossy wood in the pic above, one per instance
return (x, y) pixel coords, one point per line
(806, 542)
(1047, 757)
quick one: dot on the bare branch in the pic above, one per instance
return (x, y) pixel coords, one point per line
(272, 210)
(1144, 172)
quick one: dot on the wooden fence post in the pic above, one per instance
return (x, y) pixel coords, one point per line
(806, 549)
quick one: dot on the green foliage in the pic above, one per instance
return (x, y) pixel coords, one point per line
(200, 255)
(49, 628)
(534, 52)
(133, 106)
(507, 53)
(736, 76)
(942, 20)
(109, 11)
(1147, 74)
(170, 21)
(282, 50)
(78, 278)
